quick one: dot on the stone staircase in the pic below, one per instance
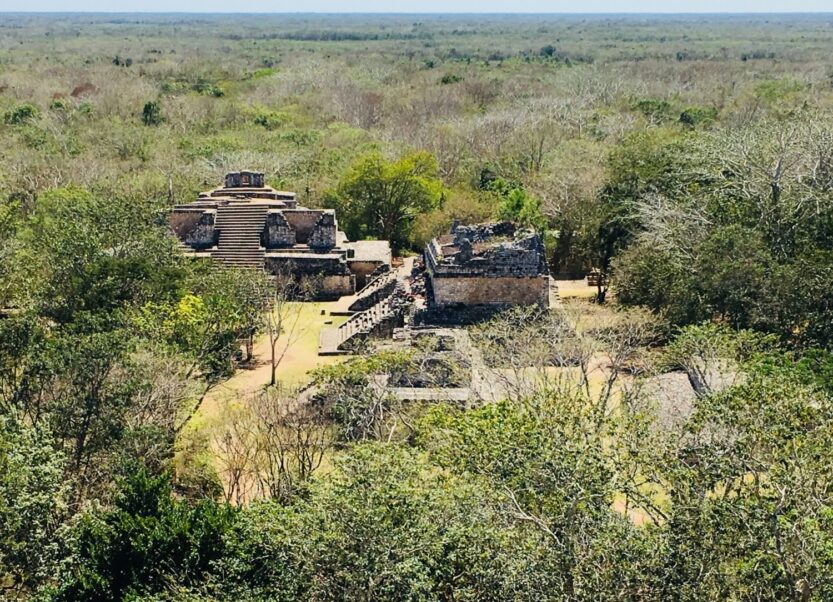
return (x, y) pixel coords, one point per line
(380, 287)
(378, 320)
(240, 226)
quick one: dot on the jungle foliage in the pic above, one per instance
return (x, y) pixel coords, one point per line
(689, 159)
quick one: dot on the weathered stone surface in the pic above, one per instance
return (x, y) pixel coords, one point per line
(323, 235)
(488, 264)
(303, 222)
(204, 234)
(482, 232)
(195, 228)
(277, 232)
(483, 290)
(244, 179)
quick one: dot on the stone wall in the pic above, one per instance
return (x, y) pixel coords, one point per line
(333, 287)
(194, 228)
(323, 235)
(244, 179)
(363, 271)
(523, 257)
(327, 276)
(325, 265)
(482, 232)
(303, 222)
(277, 232)
(482, 290)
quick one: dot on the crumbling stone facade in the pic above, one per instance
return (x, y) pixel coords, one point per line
(277, 232)
(196, 228)
(323, 235)
(244, 179)
(248, 224)
(488, 265)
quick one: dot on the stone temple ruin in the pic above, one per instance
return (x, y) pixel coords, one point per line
(483, 268)
(245, 223)
(465, 276)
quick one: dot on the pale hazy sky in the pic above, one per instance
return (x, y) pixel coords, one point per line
(422, 6)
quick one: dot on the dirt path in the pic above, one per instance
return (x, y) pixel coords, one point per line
(299, 358)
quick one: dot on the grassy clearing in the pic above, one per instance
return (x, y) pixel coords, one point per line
(300, 357)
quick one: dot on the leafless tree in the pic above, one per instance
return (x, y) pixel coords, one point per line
(293, 435)
(282, 321)
(235, 445)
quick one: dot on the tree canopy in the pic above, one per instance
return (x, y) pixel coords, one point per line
(381, 199)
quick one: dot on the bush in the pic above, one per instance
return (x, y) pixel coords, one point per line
(59, 104)
(152, 113)
(694, 116)
(21, 114)
(271, 120)
(653, 108)
(148, 539)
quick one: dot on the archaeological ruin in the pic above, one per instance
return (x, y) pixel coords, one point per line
(464, 277)
(477, 270)
(246, 223)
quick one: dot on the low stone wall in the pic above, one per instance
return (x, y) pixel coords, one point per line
(327, 276)
(333, 287)
(325, 265)
(481, 290)
(457, 316)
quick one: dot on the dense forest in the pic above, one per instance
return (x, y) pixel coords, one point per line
(688, 159)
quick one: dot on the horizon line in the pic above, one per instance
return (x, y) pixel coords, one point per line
(426, 13)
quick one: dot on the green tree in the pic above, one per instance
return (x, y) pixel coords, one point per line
(517, 205)
(388, 525)
(33, 501)
(547, 461)
(749, 482)
(145, 544)
(380, 198)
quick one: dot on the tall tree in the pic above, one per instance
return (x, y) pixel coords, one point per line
(381, 198)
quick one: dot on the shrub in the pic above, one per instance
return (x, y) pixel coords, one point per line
(548, 50)
(653, 108)
(694, 116)
(152, 113)
(21, 114)
(271, 120)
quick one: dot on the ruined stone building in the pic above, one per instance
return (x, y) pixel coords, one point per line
(466, 276)
(486, 267)
(245, 223)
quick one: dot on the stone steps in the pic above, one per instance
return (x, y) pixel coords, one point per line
(386, 313)
(240, 227)
(337, 341)
(365, 322)
(377, 289)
